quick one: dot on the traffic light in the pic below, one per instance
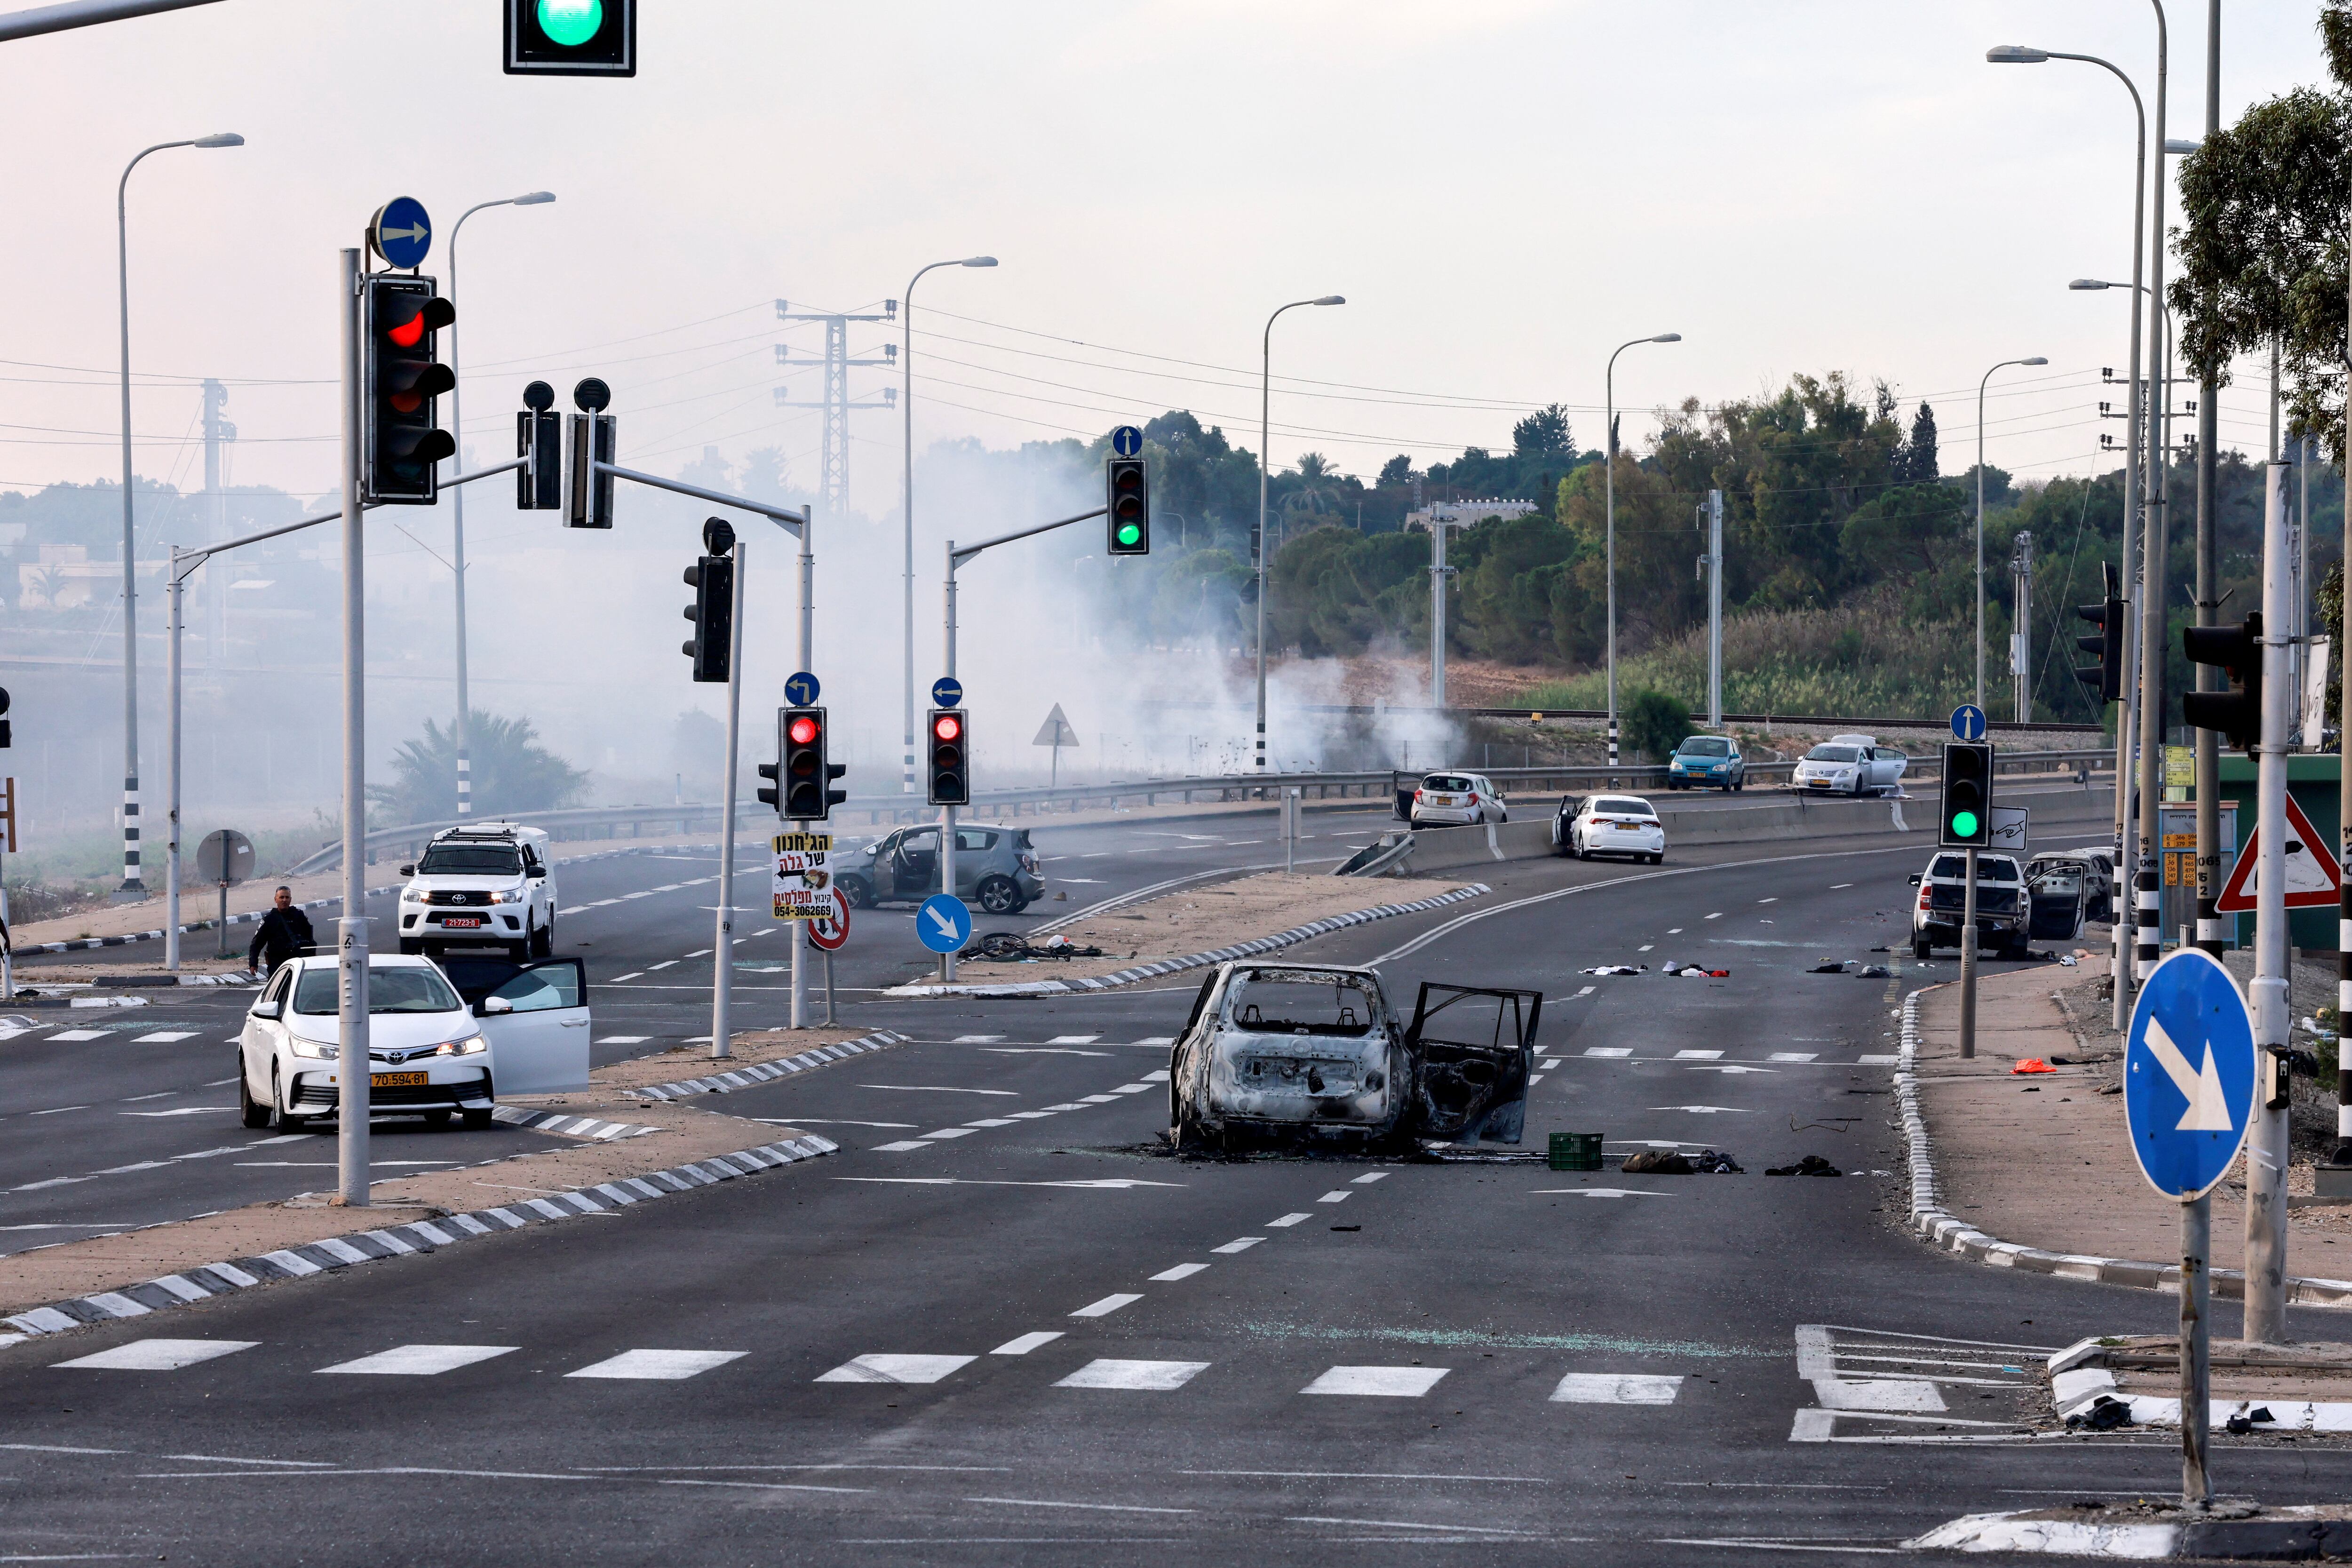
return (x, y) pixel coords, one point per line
(2236, 713)
(1968, 795)
(712, 578)
(807, 776)
(594, 441)
(2105, 676)
(402, 381)
(571, 38)
(950, 758)
(1127, 506)
(774, 771)
(539, 442)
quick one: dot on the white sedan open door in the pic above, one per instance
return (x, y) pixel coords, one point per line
(537, 1023)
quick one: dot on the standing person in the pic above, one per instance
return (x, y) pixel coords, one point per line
(285, 933)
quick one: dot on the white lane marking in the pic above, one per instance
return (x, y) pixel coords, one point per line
(894, 1369)
(825, 1121)
(1586, 992)
(1159, 1376)
(1030, 1115)
(632, 975)
(950, 1132)
(1107, 1305)
(991, 1121)
(163, 1036)
(662, 1366)
(1367, 1179)
(1609, 1388)
(1707, 1110)
(1883, 1393)
(1181, 1271)
(1095, 855)
(1334, 1198)
(1534, 1078)
(1482, 1530)
(938, 1088)
(975, 1039)
(1697, 1055)
(901, 1146)
(1876, 1061)
(1770, 901)
(1645, 947)
(624, 1040)
(1388, 1382)
(1131, 1088)
(664, 963)
(1157, 1040)
(1674, 931)
(59, 1109)
(1599, 1192)
(1608, 1050)
(420, 1361)
(1239, 1244)
(1287, 1220)
(1728, 1069)
(1793, 1055)
(1066, 1105)
(1039, 1050)
(1552, 1065)
(1158, 1075)
(1027, 1342)
(1101, 1184)
(1099, 1099)
(1090, 1507)
(1072, 1040)
(699, 952)
(159, 1355)
(1836, 886)
(183, 1111)
(1717, 916)
(78, 1034)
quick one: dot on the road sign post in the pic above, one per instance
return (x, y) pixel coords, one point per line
(2266, 1153)
(2189, 1098)
(1055, 731)
(1965, 819)
(225, 858)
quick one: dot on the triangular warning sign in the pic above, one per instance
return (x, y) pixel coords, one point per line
(1055, 730)
(2313, 880)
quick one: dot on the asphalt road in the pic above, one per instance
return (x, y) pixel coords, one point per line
(1272, 1359)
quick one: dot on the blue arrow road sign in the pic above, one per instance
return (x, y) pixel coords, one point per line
(1967, 722)
(1126, 441)
(946, 691)
(2189, 1074)
(943, 923)
(401, 233)
(801, 690)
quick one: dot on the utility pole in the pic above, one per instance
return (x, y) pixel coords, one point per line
(832, 479)
(2266, 1137)
(1715, 610)
(2021, 637)
(2209, 435)
(2153, 605)
(1438, 572)
(216, 430)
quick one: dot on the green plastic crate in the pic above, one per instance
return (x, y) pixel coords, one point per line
(1576, 1151)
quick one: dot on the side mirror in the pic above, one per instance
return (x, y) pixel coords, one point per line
(409, 871)
(1914, 879)
(488, 1005)
(269, 1009)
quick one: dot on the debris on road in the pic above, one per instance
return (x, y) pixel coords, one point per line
(1675, 1163)
(2240, 1425)
(1810, 1165)
(2105, 1414)
(1831, 966)
(1619, 969)
(2031, 1065)
(1875, 972)
(1012, 947)
(1692, 971)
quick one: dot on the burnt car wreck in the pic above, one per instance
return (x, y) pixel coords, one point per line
(1279, 1056)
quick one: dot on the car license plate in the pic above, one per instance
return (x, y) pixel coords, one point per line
(1627, 827)
(398, 1079)
(1818, 784)
(465, 922)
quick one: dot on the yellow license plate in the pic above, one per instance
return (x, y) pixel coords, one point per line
(398, 1079)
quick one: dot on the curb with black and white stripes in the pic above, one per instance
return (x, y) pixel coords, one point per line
(401, 1240)
(570, 1126)
(1936, 1225)
(1290, 938)
(766, 1072)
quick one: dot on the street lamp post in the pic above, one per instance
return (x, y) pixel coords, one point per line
(133, 888)
(906, 506)
(1980, 470)
(457, 525)
(1608, 489)
(1265, 469)
(2018, 53)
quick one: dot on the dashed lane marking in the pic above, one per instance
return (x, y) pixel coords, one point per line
(1613, 1388)
(1794, 1056)
(624, 1040)
(938, 1088)
(1159, 1376)
(1107, 1305)
(1367, 1179)
(1608, 1050)
(894, 1369)
(1239, 1244)
(159, 1355)
(1586, 992)
(1073, 1039)
(1698, 1056)
(1382, 1382)
(1181, 1271)
(659, 1366)
(420, 1361)
(1287, 1220)
(163, 1036)
(1024, 1344)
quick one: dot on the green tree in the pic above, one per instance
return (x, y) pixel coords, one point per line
(509, 769)
(1654, 723)
(1543, 434)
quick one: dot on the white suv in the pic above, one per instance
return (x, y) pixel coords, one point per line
(487, 884)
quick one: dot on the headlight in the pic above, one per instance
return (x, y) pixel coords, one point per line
(413, 894)
(463, 1047)
(316, 1049)
(515, 897)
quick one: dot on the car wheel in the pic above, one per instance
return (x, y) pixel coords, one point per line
(1739, 783)
(855, 893)
(1921, 947)
(251, 1112)
(437, 1118)
(542, 941)
(998, 896)
(477, 1119)
(278, 1117)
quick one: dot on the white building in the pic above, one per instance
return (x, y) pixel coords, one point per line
(1465, 513)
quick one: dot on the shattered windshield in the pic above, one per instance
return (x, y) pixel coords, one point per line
(1304, 1002)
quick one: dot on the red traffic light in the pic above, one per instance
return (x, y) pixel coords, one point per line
(804, 731)
(946, 727)
(430, 314)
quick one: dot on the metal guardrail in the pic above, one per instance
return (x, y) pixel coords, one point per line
(606, 822)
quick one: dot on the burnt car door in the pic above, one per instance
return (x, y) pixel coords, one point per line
(1471, 1048)
(2056, 913)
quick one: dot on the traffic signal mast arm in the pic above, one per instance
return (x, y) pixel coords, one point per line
(784, 517)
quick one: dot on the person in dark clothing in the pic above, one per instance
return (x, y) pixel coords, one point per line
(285, 933)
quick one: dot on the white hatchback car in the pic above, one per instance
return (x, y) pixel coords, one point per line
(1613, 825)
(429, 1052)
(1850, 764)
(1455, 799)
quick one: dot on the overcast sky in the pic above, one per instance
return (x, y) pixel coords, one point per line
(1504, 189)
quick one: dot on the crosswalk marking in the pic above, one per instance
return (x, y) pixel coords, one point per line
(1698, 1056)
(1073, 1040)
(1794, 1056)
(1609, 1050)
(1181, 1271)
(1159, 1375)
(624, 1040)
(1876, 1061)
(658, 1365)
(1613, 1388)
(1388, 1382)
(901, 1146)
(1107, 1306)
(894, 1369)
(1024, 1343)
(159, 1355)
(1157, 1040)
(163, 1036)
(79, 1034)
(976, 1039)
(420, 1361)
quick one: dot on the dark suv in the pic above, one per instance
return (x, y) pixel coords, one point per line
(2002, 912)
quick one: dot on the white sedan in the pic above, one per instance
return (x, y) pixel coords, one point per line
(1850, 764)
(1614, 824)
(429, 1053)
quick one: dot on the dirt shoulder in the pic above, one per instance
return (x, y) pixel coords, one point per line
(2045, 1161)
(1188, 921)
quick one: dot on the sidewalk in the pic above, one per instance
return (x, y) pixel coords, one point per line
(2045, 1161)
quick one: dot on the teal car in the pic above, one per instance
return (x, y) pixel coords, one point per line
(1706, 762)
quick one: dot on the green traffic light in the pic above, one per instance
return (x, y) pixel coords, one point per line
(571, 21)
(1964, 824)
(1129, 534)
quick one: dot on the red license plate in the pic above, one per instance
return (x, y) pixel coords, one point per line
(466, 922)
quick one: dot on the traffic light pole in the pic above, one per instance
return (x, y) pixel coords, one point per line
(2266, 1138)
(353, 1064)
(1969, 962)
(795, 929)
(955, 558)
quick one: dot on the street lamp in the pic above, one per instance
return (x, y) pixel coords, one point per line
(133, 888)
(457, 527)
(906, 402)
(1609, 487)
(1265, 468)
(1981, 468)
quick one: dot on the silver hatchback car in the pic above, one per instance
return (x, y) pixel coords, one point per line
(995, 867)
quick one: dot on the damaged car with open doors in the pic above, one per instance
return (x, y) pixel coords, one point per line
(1282, 1055)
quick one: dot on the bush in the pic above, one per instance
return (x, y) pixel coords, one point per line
(1654, 724)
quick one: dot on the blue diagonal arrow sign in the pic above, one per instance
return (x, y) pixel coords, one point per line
(2189, 1074)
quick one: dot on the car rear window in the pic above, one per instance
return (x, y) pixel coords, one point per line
(469, 860)
(1831, 754)
(1989, 868)
(1454, 783)
(1294, 1002)
(1623, 806)
(1699, 746)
